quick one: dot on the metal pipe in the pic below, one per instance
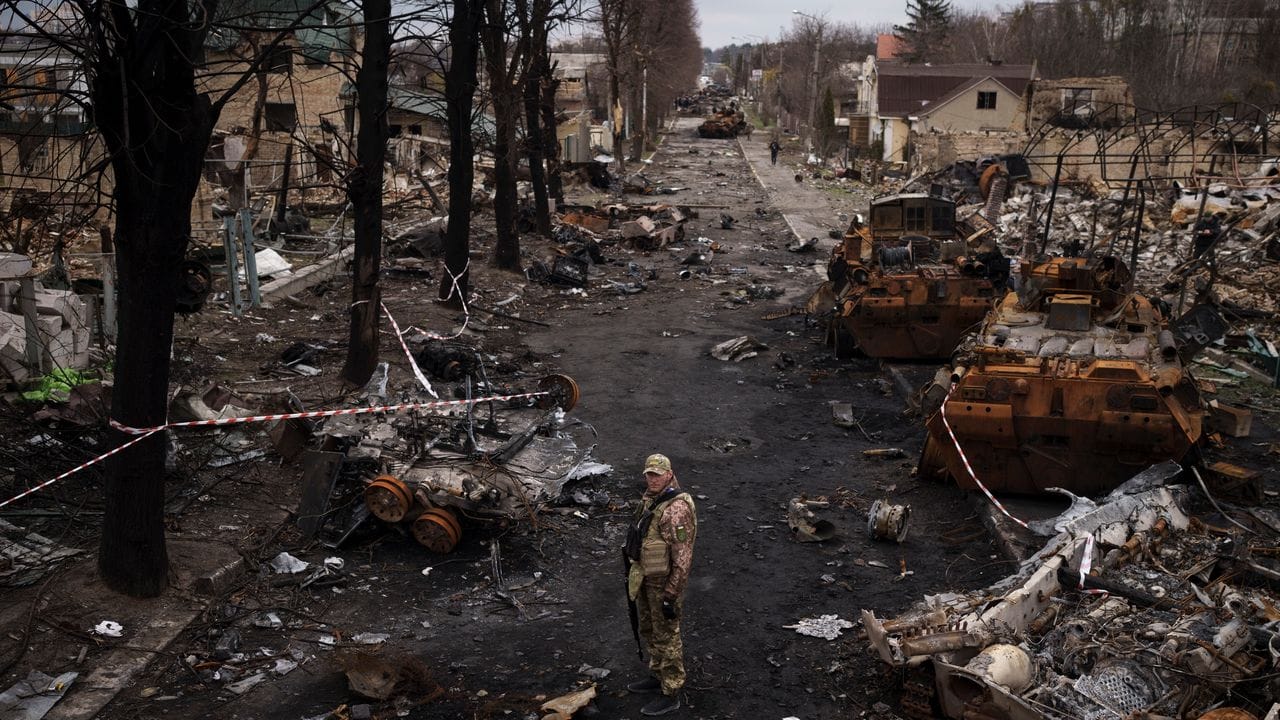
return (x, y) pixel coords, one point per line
(1053, 196)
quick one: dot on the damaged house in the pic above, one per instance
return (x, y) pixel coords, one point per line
(918, 100)
(296, 99)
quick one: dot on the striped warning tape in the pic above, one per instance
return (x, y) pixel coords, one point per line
(1086, 563)
(78, 468)
(964, 459)
(328, 413)
(417, 371)
(144, 433)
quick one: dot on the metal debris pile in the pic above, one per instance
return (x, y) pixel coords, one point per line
(432, 470)
(1133, 606)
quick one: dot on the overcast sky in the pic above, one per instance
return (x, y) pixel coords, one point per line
(723, 19)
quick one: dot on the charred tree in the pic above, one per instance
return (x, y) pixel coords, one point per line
(506, 107)
(459, 89)
(156, 128)
(364, 190)
(534, 27)
(550, 143)
(617, 21)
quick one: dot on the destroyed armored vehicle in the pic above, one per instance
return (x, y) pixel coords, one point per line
(723, 124)
(907, 286)
(431, 471)
(1073, 381)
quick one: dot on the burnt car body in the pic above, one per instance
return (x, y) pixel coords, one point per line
(906, 286)
(1073, 382)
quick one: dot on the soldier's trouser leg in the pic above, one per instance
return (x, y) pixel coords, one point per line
(662, 639)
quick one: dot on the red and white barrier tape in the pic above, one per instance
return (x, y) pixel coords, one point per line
(328, 413)
(1086, 563)
(964, 459)
(78, 468)
(417, 371)
(144, 433)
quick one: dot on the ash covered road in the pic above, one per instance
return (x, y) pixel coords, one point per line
(744, 437)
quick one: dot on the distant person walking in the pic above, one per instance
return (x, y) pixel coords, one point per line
(659, 553)
(774, 147)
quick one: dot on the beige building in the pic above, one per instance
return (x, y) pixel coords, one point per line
(913, 100)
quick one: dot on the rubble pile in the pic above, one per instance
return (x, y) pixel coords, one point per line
(63, 324)
(1133, 606)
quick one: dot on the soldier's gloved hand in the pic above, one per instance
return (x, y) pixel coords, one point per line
(669, 609)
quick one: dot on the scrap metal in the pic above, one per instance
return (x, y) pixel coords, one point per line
(1179, 629)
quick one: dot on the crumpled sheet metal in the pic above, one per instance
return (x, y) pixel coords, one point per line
(1175, 639)
(1023, 596)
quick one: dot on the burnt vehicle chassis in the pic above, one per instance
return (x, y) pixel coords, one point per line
(1073, 382)
(906, 286)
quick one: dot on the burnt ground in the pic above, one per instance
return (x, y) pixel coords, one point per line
(744, 438)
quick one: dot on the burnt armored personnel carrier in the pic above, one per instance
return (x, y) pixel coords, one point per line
(906, 286)
(1074, 381)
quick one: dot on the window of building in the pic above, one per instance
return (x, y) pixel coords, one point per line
(1077, 101)
(943, 218)
(279, 60)
(280, 117)
(986, 100)
(915, 218)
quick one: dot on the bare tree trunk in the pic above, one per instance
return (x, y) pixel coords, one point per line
(536, 29)
(459, 88)
(550, 141)
(506, 251)
(156, 128)
(364, 189)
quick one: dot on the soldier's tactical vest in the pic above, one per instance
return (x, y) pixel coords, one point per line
(645, 545)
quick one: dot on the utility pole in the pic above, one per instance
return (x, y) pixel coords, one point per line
(644, 109)
(817, 49)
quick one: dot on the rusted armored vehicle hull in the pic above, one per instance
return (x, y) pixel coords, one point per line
(905, 287)
(1075, 384)
(918, 316)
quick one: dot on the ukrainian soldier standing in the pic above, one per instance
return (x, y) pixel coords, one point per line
(659, 553)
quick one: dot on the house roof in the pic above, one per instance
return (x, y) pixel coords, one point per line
(907, 89)
(889, 46)
(433, 105)
(321, 27)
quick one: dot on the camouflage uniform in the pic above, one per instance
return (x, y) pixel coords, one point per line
(676, 523)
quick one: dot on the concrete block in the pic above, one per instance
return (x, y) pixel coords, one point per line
(13, 348)
(13, 265)
(64, 304)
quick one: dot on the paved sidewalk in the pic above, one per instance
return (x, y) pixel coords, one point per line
(809, 211)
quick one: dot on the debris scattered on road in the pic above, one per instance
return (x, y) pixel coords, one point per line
(805, 524)
(827, 627)
(738, 349)
(34, 696)
(284, 563)
(108, 628)
(886, 521)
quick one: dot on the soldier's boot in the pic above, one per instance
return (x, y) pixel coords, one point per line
(650, 684)
(661, 706)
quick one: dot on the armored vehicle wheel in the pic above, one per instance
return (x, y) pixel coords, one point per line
(438, 530)
(563, 392)
(388, 499)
